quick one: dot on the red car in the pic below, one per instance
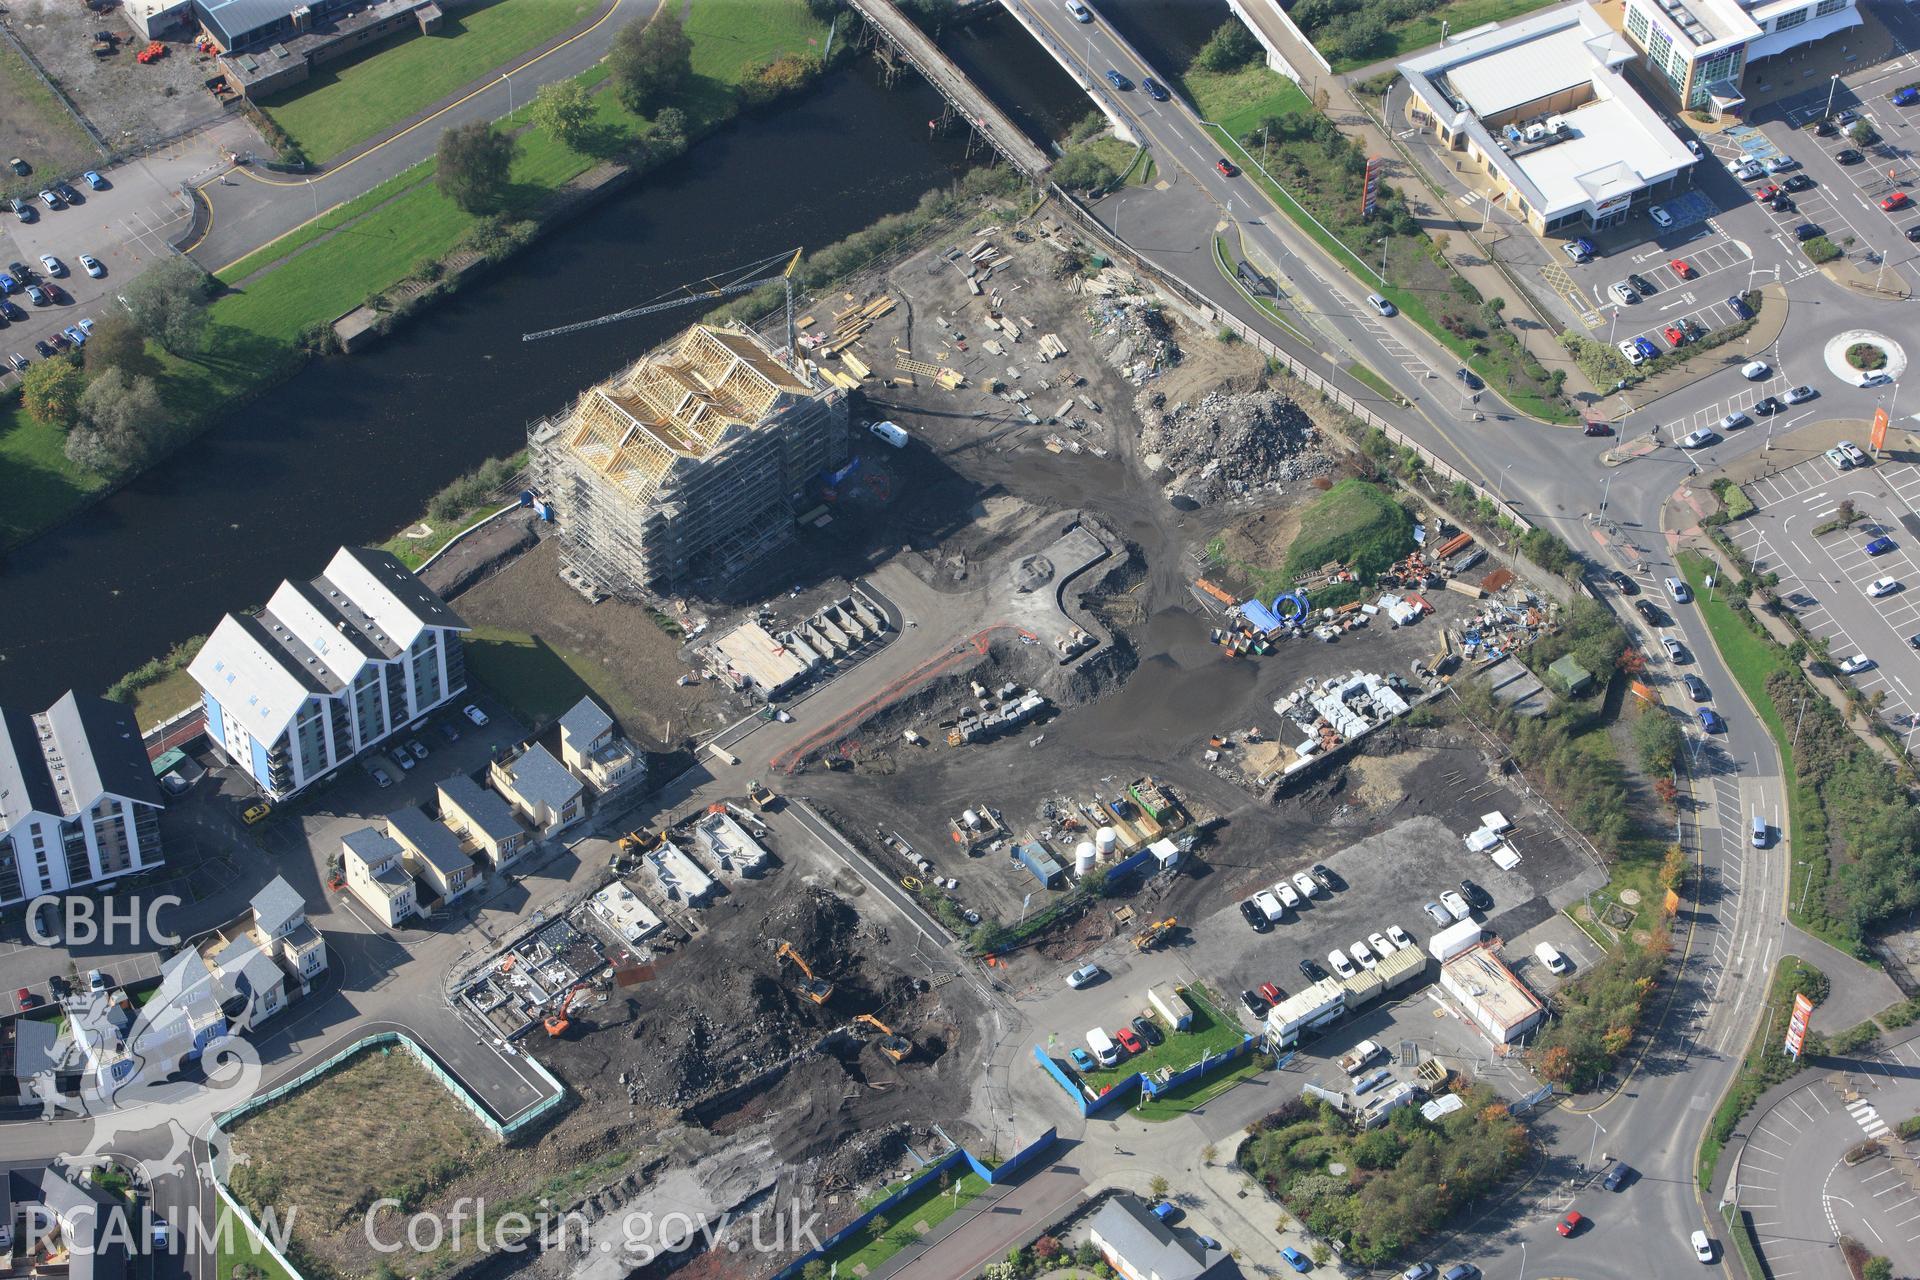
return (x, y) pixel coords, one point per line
(25, 999)
(1128, 1040)
(1570, 1224)
(1270, 993)
(1675, 335)
(1682, 268)
(1767, 192)
(1226, 167)
(1898, 200)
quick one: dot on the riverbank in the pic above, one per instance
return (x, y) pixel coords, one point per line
(269, 322)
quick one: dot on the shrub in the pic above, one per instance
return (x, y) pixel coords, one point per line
(1820, 249)
(472, 489)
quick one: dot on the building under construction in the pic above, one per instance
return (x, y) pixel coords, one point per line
(684, 468)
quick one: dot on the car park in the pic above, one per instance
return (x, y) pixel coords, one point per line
(1085, 976)
(1682, 268)
(1455, 904)
(1799, 395)
(1251, 1001)
(1661, 218)
(1227, 168)
(1154, 89)
(1695, 686)
(1883, 587)
(1129, 1040)
(1698, 439)
(1878, 546)
(1640, 282)
(1341, 964)
(1570, 1223)
(1710, 721)
(1799, 182)
(1118, 81)
(1847, 155)
(1734, 421)
(1853, 453)
(1082, 1060)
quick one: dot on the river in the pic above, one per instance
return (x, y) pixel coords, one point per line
(350, 449)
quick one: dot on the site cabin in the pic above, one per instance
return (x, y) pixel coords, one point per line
(1166, 1000)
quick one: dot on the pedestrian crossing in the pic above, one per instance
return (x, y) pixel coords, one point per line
(1867, 1116)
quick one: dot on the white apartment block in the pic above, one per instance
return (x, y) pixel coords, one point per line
(78, 801)
(328, 669)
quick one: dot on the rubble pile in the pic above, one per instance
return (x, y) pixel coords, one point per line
(1228, 444)
(1132, 334)
(823, 927)
(740, 1025)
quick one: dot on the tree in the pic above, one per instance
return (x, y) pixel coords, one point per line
(117, 343)
(877, 1227)
(824, 10)
(1876, 1268)
(815, 1270)
(121, 419)
(1321, 1253)
(1658, 740)
(651, 61)
(565, 110)
(1230, 48)
(51, 391)
(168, 303)
(1208, 1153)
(473, 165)
(1157, 1188)
(1083, 169)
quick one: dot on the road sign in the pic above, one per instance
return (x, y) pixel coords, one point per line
(1878, 440)
(1797, 1024)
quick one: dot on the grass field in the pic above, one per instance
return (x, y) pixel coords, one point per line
(907, 1221)
(173, 692)
(238, 1246)
(1355, 523)
(1208, 1034)
(1239, 100)
(332, 220)
(348, 102)
(378, 1126)
(540, 682)
(731, 35)
(37, 128)
(1419, 32)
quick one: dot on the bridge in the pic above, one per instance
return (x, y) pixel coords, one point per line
(912, 45)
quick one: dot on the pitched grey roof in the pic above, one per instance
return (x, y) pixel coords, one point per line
(371, 844)
(541, 779)
(389, 591)
(237, 17)
(97, 1249)
(432, 842)
(487, 810)
(276, 907)
(63, 760)
(585, 722)
(254, 678)
(1149, 1245)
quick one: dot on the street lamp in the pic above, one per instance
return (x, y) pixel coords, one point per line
(1832, 84)
(1597, 1131)
(508, 77)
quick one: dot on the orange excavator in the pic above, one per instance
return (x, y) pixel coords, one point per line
(816, 989)
(893, 1044)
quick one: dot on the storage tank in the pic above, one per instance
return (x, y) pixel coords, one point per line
(970, 820)
(1083, 858)
(1105, 841)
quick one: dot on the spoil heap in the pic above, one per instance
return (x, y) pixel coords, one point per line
(1227, 445)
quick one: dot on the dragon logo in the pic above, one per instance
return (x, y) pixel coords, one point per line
(173, 1065)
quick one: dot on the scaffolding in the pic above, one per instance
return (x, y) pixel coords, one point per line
(686, 463)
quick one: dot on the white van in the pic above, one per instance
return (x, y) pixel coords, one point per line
(1105, 1051)
(891, 432)
(1550, 956)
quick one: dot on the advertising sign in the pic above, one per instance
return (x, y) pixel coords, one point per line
(1797, 1024)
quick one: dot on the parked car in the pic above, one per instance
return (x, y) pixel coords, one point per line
(1646, 348)
(1878, 546)
(1082, 1060)
(1254, 1004)
(1840, 460)
(1307, 885)
(49, 199)
(1698, 439)
(1437, 914)
(1766, 193)
(1378, 944)
(1328, 876)
(1085, 976)
(1847, 155)
(1883, 587)
(91, 265)
(94, 180)
(66, 192)
(1695, 686)
(1622, 292)
(1799, 182)
(1455, 904)
(37, 295)
(45, 349)
(1856, 664)
(1738, 305)
(1419, 1271)
(404, 759)
(1476, 897)
(25, 998)
(1710, 721)
(1806, 231)
(1682, 268)
(1631, 350)
(1661, 218)
(418, 748)
(380, 778)
(1766, 406)
(1149, 1030)
(449, 731)
(1362, 955)
(20, 166)
(1399, 938)
(1905, 96)
(1295, 1259)
(1675, 335)
(97, 980)
(1129, 1040)
(1270, 993)
(255, 811)
(1734, 421)
(1853, 453)
(1897, 200)
(1552, 957)
(474, 714)
(1341, 964)
(1310, 970)
(1254, 916)
(1570, 1223)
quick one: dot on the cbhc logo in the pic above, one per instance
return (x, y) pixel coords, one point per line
(111, 922)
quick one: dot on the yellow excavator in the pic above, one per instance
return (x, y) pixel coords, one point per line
(816, 989)
(892, 1043)
(639, 840)
(1149, 937)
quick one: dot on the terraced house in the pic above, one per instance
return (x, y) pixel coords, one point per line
(328, 669)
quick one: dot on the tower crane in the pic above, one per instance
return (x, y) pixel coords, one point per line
(744, 280)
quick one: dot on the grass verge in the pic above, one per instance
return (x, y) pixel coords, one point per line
(1207, 1035)
(350, 101)
(1765, 1063)
(1240, 100)
(912, 1218)
(1367, 377)
(326, 224)
(1195, 1094)
(540, 682)
(239, 1246)
(1424, 29)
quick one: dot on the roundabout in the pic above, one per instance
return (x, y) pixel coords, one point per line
(1859, 353)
